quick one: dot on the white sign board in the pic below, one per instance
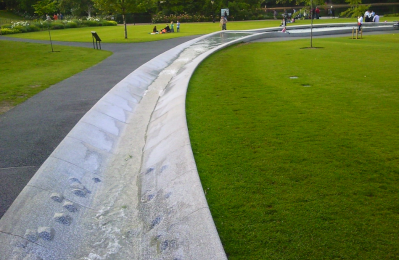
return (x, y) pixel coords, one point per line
(224, 11)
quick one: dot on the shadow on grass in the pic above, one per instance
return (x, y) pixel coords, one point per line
(312, 48)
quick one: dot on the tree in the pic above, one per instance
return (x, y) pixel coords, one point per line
(298, 2)
(8, 4)
(356, 9)
(124, 7)
(45, 7)
(77, 7)
(26, 6)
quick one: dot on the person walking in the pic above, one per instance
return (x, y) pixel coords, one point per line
(178, 26)
(317, 11)
(360, 22)
(223, 22)
(171, 27)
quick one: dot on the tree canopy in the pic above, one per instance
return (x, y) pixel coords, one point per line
(123, 7)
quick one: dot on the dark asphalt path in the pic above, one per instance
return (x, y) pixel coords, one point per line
(32, 130)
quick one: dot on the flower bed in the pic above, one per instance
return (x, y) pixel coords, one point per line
(33, 26)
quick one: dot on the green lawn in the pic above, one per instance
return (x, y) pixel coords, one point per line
(304, 168)
(28, 68)
(140, 33)
(9, 16)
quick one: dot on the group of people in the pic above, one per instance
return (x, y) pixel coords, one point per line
(371, 17)
(55, 17)
(168, 29)
(368, 17)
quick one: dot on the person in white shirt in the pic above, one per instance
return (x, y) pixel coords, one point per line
(376, 18)
(367, 16)
(372, 13)
(360, 22)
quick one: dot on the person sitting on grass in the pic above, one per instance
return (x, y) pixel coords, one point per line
(376, 18)
(167, 28)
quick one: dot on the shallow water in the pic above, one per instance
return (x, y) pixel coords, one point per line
(331, 29)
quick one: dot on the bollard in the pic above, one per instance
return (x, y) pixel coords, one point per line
(361, 34)
(353, 33)
(357, 33)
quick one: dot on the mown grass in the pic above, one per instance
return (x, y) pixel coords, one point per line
(9, 16)
(303, 168)
(28, 68)
(140, 33)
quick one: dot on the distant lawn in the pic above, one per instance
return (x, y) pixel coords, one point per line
(28, 68)
(9, 16)
(140, 33)
(304, 168)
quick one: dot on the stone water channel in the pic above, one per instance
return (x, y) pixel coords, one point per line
(100, 194)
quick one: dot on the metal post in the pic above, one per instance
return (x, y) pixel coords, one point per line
(311, 24)
(51, 42)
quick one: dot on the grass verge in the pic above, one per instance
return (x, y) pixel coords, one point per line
(140, 33)
(9, 16)
(28, 68)
(300, 168)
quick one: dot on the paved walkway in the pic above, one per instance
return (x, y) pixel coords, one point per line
(31, 131)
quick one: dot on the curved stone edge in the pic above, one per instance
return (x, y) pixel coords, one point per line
(276, 31)
(179, 210)
(62, 193)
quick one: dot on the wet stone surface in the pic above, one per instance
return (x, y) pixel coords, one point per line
(46, 233)
(31, 235)
(70, 206)
(155, 222)
(79, 193)
(96, 180)
(168, 244)
(63, 218)
(57, 197)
